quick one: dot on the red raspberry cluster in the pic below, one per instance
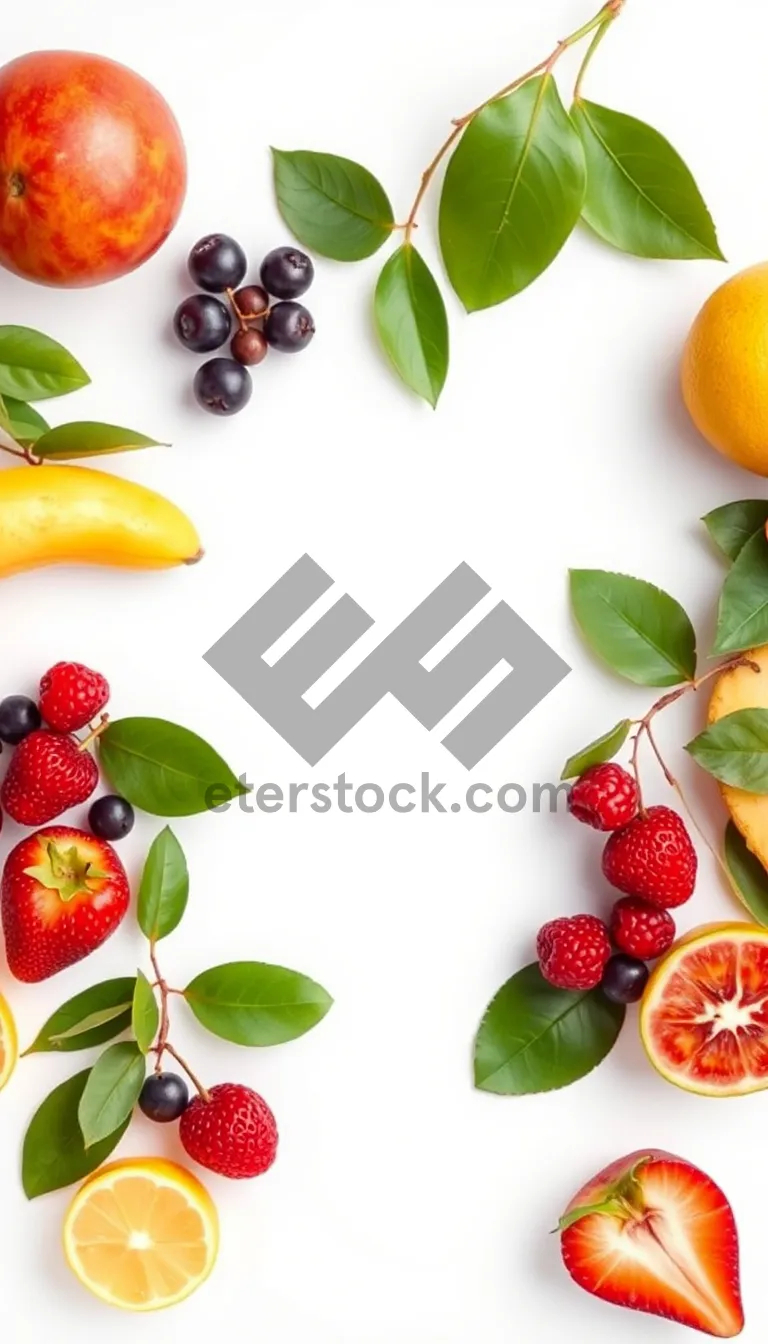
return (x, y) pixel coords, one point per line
(650, 857)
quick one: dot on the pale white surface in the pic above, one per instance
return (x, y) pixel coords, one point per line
(405, 1206)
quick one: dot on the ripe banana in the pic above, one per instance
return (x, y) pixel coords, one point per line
(52, 515)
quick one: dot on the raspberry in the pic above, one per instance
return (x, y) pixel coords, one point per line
(641, 929)
(573, 952)
(605, 797)
(71, 695)
(49, 772)
(652, 857)
(232, 1132)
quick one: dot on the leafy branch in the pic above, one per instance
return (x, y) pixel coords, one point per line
(522, 171)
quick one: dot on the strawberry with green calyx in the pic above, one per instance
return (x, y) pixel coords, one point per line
(49, 773)
(63, 893)
(655, 1234)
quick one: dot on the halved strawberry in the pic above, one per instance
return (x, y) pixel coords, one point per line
(654, 1234)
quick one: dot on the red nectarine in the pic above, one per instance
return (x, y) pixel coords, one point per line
(92, 168)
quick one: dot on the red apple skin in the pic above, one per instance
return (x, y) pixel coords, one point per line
(92, 168)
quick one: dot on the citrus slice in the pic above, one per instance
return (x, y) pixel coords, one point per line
(9, 1048)
(141, 1234)
(704, 1015)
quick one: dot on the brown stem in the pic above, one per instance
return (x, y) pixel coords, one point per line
(602, 19)
(94, 733)
(162, 1045)
(244, 318)
(645, 728)
(202, 1092)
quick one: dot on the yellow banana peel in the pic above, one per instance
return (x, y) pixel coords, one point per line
(53, 515)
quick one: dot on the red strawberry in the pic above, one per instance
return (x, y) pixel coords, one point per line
(642, 929)
(71, 695)
(652, 857)
(49, 772)
(231, 1131)
(63, 893)
(572, 952)
(655, 1234)
(605, 797)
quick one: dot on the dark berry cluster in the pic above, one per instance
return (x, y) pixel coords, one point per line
(250, 321)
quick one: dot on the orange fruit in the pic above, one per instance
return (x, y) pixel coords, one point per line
(141, 1234)
(725, 369)
(704, 1014)
(9, 1047)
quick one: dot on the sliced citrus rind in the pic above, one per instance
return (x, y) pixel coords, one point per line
(9, 1044)
(141, 1234)
(704, 1014)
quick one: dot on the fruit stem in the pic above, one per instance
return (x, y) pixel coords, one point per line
(162, 1046)
(601, 22)
(202, 1092)
(94, 733)
(244, 318)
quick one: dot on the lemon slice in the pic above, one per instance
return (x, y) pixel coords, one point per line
(9, 1047)
(141, 1234)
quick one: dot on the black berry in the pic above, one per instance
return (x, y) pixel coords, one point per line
(222, 386)
(253, 301)
(164, 1097)
(289, 327)
(111, 818)
(217, 263)
(202, 323)
(19, 716)
(287, 273)
(624, 979)
(249, 346)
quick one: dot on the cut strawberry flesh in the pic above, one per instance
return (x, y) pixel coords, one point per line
(709, 1024)
(675, 1257)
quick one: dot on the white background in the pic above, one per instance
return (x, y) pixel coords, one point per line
(405, 1206)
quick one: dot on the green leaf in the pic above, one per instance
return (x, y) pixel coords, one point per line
(735, 750)
(747, 874)
(333, 205)
(86, 438)
(535, 1038)
(146, 1016)
(733, 525)
(90, 1018)
(639, 630)
(512, 194)
(111, 1091)
(602, 749)
(164, 887)
(412, 323)
(641, 197)
(165, 769)
(23, 421)
(251, 1003)
(742, 613)
(54, 1153)
(33, 367)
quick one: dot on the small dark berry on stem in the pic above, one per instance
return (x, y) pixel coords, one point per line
(19, 716)
(289, 327)
(252, 301)
(624, 979)
(217, 263)
(202, 323)
(111, 818)
(605, 797)
(222, 386)
(249, 346)
(287, 273)
(164, 1097)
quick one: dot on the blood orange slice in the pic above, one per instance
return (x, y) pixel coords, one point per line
(704, 1015)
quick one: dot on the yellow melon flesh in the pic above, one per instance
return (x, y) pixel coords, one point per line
(743, 688)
